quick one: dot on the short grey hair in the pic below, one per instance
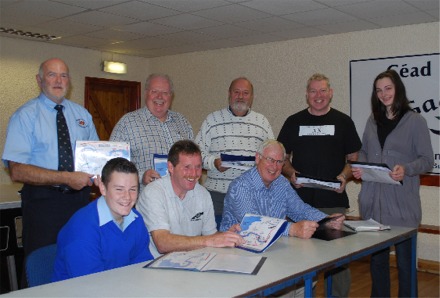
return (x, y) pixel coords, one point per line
(271, 142)
(159, 75)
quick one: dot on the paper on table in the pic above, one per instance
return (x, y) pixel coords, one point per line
(233, 263)
(365, 225)
(375, 172)
(199, 260)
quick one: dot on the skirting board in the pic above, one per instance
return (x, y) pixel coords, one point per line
(422, 265)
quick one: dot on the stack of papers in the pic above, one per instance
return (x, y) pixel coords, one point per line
(237, 161)
(313, 182)
(375, 172)
(365, 225)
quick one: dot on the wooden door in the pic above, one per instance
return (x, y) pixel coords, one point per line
(108, 100)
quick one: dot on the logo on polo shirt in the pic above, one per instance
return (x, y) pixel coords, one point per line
(82, 123)
(197, 217)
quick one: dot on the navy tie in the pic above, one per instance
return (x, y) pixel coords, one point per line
(65, 157)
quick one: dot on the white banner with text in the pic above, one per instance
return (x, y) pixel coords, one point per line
(419, 73)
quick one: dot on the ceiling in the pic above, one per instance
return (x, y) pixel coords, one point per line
(154, 28)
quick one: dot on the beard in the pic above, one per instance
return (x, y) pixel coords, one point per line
(239, 107)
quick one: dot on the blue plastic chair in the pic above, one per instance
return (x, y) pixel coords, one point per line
(39, 265)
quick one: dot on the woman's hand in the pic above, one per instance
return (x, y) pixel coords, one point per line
(398, 173)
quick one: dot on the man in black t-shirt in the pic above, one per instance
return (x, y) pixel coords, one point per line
(319, 140)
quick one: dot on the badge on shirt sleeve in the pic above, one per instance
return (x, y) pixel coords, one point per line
(82, 123)
(320, 130)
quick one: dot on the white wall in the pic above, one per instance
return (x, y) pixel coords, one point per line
(279, 72)
(19, 63)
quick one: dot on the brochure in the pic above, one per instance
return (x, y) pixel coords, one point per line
(326, 233)
(237, 161)
(325, 220)
(199, 260)
(91, 156)
(375, 172)
(313, 182)
(160, 164)
(260, 232)
(365, 225)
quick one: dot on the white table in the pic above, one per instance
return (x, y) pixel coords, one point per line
(10, 210)
(9, 196)
(289, 260)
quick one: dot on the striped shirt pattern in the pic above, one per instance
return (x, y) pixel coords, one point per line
(222, 132)
(248, 194)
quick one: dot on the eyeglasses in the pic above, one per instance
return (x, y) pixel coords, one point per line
(272, 161)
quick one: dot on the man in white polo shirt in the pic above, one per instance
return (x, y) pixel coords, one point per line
(177, 210)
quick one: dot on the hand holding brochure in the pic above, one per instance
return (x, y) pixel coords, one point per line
(326, 233)
(237, 161)
(200, 260)
(325, 220)
(375, 172)
(260, 232)
(365, 225)
(160, 164)
(313, 182)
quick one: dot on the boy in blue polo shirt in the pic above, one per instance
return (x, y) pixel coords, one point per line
(107, 233)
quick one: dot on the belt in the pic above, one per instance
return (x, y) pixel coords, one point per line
(62, 188)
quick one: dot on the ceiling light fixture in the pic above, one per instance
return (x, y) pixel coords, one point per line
(114, 67)
(22, 33)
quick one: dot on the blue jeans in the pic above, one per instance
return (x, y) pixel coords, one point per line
(341, 276)
(380, 271)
